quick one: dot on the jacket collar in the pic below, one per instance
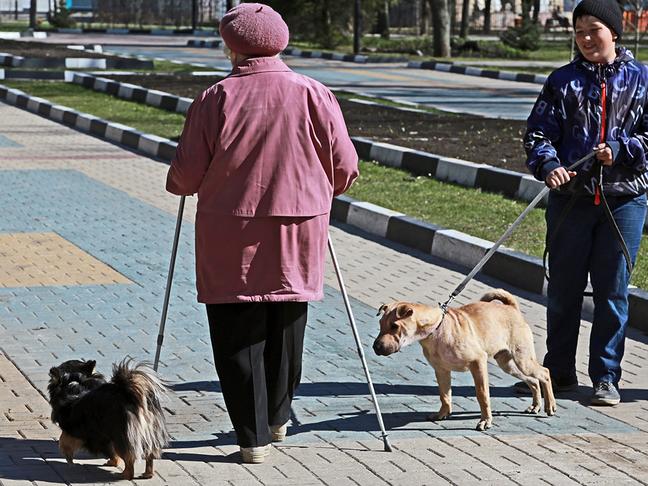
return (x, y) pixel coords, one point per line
(623, 56)
(255, 65)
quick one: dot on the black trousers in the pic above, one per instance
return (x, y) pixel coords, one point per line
(258, 355)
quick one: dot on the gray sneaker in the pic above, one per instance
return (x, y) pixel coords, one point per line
(605, 393)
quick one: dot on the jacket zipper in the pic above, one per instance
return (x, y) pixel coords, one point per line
(597, 191)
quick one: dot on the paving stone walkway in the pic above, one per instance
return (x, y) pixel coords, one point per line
(85, 234)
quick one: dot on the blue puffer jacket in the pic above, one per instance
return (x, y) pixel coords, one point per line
(565, 123)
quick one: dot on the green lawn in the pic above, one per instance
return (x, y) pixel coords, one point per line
(471, 211)
(145, 118)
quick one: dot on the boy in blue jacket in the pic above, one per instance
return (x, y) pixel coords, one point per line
(598, 101)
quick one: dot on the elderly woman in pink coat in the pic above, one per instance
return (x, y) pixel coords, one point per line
(266, 150)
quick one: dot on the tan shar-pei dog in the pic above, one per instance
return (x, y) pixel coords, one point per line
(463, 340)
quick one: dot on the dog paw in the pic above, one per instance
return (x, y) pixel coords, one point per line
(550, 409)
(484, 425)
(534, 409)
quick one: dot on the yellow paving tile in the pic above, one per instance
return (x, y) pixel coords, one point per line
(47, 259)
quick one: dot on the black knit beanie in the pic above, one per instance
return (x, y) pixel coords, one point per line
(607, 11)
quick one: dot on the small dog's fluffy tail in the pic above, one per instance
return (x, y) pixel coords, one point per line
(501, 295)
(146, 425)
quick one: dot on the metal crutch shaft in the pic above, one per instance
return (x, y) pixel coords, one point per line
(167, 293)
(347, 304)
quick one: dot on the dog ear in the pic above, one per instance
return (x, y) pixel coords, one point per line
(55, 374)
(383, 309)
(403, 311)
(89, 366)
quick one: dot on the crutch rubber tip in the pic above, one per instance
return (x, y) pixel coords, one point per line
(388, 447)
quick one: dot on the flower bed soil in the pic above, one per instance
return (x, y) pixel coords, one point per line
(495, 142)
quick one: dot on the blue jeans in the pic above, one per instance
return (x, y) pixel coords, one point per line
(587, 244)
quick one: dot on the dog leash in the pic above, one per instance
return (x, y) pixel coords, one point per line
(507, 233)
(609, 216)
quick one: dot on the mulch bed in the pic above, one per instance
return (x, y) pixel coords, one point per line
(42, 50)
(495, 142)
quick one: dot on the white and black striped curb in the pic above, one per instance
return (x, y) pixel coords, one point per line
(474, 71)
(31, 74)
(165, 32)
(148, 144)
(336, 56)
(515, 268)
(27, 33)
(468, 174)
(205, 43)
(132, 92)
(507, 265)
(10, 60)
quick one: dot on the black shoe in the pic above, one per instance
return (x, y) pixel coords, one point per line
(559, 385)
(605, 393)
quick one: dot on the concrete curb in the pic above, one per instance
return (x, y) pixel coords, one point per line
(336, 56)
(75, 62)
(30, 74)
(198, 33)
(205, 43)
(475, 71)
(132, 92)
(515, 268)
(148, 144)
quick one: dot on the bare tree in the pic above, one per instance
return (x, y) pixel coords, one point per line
(441, 27)
(487, 17)
(32, 14)
(465, 18)
(424, 19)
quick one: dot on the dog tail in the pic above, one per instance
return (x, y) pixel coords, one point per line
(146, 425)
(501, 295)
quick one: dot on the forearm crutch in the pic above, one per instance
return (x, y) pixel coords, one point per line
(167, 293)
(347, 304)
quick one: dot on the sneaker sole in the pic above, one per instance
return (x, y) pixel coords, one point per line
(605, 402)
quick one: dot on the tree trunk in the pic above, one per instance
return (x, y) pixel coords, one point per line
(487, 17)
(465, 18)
(357, 26)
(424, 18)
(536, 10)
(441, 27)
(384, 20)
(32, 14)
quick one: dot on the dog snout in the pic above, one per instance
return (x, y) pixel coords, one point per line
(384, 347)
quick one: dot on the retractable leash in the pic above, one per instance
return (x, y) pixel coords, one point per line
(167, 293)
(347, 304)
(507, 233)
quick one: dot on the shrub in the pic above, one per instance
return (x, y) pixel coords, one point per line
(525, 37)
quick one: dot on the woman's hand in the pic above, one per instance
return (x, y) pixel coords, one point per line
(604, 154)
(558, 177)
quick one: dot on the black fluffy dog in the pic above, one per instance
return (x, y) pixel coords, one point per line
(121, 418)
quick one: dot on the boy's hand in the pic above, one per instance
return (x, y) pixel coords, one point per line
(604, 154)
(558, 177)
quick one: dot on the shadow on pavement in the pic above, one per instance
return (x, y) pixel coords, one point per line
(41, 461)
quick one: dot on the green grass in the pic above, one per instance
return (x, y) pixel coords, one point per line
(145, 118)
(480, 214)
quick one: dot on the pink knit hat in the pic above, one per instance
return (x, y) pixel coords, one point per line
(254, 29)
